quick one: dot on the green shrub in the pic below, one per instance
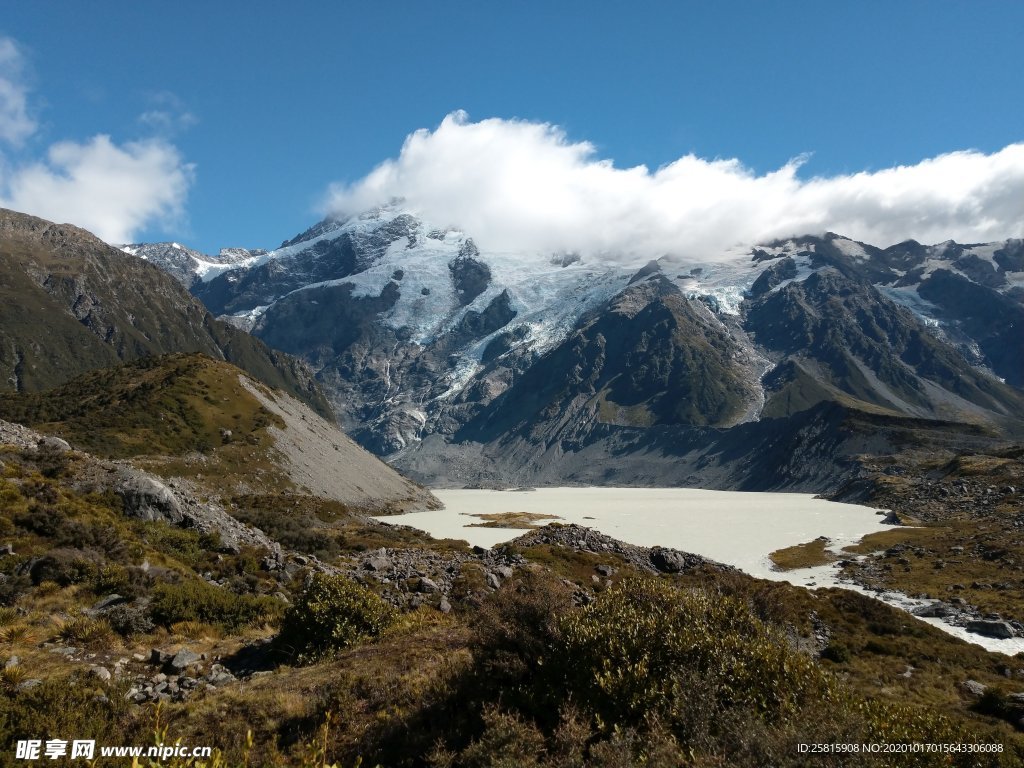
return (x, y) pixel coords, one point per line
(111, 578)
(42, 520)
(63, 705)
(507, 742)
(51, 461)
(331, 614)
(128, 620)
(195, 600)
(516, 627)
(101, 537)
(644, 648)
(194, 549)
(65, 567)
(838, 652)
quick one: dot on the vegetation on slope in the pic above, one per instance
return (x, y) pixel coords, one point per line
(578, 658)
(962, 541)
(806, 555)
(70, 303)
(159, 406)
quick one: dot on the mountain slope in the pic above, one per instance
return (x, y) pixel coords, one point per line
(469, 365)
(204, 420)
(649, 357)
(849, 340)
(69, 303)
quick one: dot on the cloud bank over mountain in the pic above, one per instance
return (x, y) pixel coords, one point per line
(526, 186)
(113, 189)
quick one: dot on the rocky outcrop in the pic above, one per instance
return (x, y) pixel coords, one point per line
(582, 539)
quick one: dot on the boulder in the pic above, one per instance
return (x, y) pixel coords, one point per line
(937, 610)
(149, 499)
(668, 560)
(101, 673)
(184, 659)
(379, 563)
(997, 629)
(973, 687)
(221, 678)
(54, 444)
(107, 602)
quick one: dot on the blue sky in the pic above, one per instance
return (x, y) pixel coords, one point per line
(242, 115)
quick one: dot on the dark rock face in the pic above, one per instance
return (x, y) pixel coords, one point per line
(783, 269)
(470, 275)
(476, 325)
(322, 320)
(321, 260)
(994, 321)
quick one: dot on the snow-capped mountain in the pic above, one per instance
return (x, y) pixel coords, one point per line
(189, 267)
(437, 353)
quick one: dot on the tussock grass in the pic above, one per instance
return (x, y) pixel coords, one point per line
(807, 555)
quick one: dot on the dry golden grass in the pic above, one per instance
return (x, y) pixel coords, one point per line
(528, 520)
(806, 555)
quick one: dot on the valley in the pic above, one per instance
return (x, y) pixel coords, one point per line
(191, 539)
(492, 385)
(469, 367)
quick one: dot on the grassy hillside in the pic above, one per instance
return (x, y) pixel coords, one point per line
(553, 668)
(160, 406)
(204, 422)
(180, 415)
(70, 303)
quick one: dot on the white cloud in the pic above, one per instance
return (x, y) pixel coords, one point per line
(113, 191)
(16, 124)
(169, 115)
(525, 186)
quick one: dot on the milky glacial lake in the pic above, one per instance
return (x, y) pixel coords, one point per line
(740, 529)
